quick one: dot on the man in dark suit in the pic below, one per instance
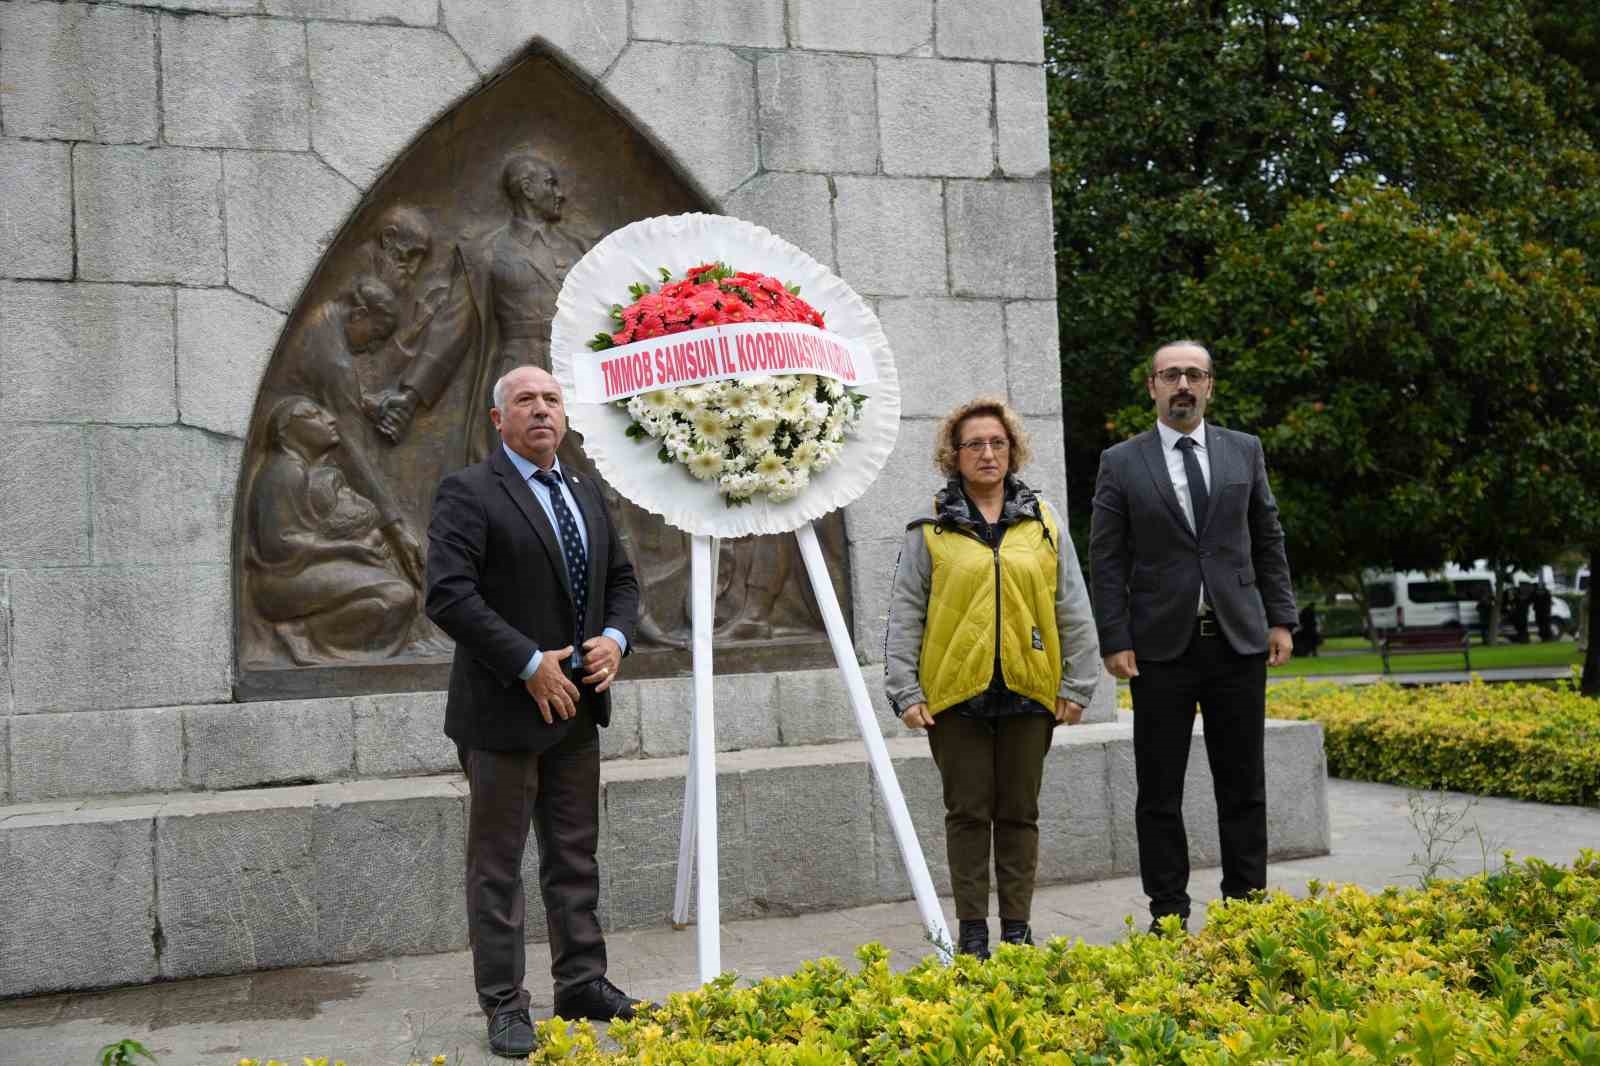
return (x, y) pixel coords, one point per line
(1193, 601)
(526, 574)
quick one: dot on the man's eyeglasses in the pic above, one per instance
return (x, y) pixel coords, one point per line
(976, 447)
(1195, 374)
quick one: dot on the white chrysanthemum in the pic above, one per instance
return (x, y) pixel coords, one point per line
(754, 382)
(833, 387)
(661, 401)
(757, 433)
(651, 424)
(739, 486)
(691, 399)
(782, 487)
(637, 408)
(736, 463)
(805, 453)
(770, 465)
(816, 410)
(827, 455)
(705, 465)
(792, 406)
(735, 401)
(710, 425)
(764, 404)
(805, 384)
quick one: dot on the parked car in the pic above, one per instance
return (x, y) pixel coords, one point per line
(1414, 599)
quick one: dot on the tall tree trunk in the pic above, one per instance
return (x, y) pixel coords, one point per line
(1590, 685)
(1502, 581)
(1358, 591)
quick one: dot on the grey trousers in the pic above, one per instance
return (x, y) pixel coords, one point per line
(557, 791)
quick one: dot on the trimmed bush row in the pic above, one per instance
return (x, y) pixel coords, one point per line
(1500, 968)
(1503, 968)
(1528, 742)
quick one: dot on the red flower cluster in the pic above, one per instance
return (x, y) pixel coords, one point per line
(710, 295)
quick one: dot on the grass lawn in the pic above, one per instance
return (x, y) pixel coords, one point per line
(1556, 653)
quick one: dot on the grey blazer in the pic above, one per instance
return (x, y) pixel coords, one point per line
(1146, 562)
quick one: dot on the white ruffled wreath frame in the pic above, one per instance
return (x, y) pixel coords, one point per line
(634, 254)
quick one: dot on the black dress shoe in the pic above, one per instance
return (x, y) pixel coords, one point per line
(1155, 923)
(599, 1000)
(974, 937)
(511, 1034)
(1015, 931)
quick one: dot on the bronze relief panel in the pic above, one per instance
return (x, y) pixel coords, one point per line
(445, 277)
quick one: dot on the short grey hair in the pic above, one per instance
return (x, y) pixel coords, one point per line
(1184, 342)
(500, 386)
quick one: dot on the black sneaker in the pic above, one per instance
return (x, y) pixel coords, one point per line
(598, 1000)
(1015, 931)
(974, 937)
(511, 1034)
(1155, 923)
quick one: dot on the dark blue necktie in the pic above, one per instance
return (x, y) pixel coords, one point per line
(1199, 499)
(572, 549)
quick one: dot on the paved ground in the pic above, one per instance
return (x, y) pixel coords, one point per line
(390, 1012)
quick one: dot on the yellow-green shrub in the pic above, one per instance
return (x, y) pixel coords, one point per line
(1497, 969)
(1523, 741)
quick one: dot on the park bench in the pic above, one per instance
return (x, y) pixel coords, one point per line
(1423, 641)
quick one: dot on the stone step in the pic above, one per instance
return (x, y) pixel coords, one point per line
(106, 891)
(213, 747)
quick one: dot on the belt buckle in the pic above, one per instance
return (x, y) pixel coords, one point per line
(1208, 626)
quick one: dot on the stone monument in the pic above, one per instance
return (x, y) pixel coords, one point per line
(446, 277)
(247, 305)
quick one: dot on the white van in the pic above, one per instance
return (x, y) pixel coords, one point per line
(1414, 599)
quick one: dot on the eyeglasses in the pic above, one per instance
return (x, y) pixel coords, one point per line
(976, 447)
(1195, 374)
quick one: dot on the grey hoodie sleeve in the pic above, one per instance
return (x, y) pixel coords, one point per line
(908, 616)
(1080, 643)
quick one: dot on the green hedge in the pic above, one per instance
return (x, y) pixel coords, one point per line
(1496, 969)
(1500, 968)
(1530, 742)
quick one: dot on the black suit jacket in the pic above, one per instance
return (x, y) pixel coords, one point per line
(1147, 562)
(498, 586)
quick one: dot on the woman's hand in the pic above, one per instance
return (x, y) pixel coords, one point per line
(916, 716)
(1067, 712)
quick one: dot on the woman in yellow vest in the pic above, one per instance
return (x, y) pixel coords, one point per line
(990, 644)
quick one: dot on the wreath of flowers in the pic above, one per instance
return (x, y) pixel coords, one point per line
(763, 434)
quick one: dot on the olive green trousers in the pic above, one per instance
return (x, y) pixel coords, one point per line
(991, 769)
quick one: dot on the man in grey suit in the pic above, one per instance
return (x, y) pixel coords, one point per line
(1193, 600)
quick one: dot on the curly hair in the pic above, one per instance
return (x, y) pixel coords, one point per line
(948, 438)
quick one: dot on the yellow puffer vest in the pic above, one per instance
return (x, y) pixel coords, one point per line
(957, 659)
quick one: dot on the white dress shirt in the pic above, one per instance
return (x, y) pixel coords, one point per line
(541, 492)
(1180, 476)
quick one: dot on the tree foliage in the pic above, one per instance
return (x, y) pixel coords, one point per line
(1381, 217)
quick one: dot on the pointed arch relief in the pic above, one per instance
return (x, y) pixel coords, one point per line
(443, 278)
